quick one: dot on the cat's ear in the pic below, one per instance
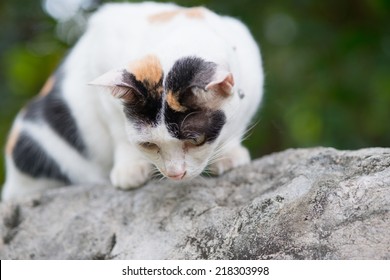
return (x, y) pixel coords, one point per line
(222, 83)
(120, 82)
(211, 96)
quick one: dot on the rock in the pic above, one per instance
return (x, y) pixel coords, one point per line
(298, 204)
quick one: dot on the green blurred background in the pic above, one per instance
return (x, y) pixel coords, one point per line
(327, 65)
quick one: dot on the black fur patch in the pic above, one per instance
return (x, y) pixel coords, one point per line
(31, 159)
(53, 110)
(58, 116)
(146, 102)
(188, 72)
(190, 125)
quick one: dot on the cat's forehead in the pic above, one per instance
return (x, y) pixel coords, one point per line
(185, 72)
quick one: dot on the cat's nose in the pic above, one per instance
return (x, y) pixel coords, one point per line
(176, 176)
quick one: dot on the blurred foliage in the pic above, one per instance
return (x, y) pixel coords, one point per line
(327, 66)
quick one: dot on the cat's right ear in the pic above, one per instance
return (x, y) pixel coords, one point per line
(121, 83)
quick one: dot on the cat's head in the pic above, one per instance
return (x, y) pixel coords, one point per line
(177, 117)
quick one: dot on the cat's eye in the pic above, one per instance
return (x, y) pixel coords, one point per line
(149, 146)
(197, 141)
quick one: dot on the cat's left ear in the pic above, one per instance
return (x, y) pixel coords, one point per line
(222, 83)
(120, 82)
(211, 96)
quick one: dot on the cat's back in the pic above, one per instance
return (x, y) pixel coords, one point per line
(131, 30)
(128, 13)
(150, 16)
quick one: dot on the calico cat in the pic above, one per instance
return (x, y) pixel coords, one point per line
(147, 85)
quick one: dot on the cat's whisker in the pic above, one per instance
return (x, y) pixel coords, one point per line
(207, 172)
(155, 174)
(220, 151)
(248, 132)
(222, 148)
(217, 159)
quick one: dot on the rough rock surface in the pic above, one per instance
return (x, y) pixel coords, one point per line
(298, 204)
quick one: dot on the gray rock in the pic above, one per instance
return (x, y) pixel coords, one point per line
(298, 204)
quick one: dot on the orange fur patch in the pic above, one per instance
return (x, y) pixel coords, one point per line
(174, 103)
(163, 16)
(12, 139)
(193, 13)
(48, 86)
(148, 69)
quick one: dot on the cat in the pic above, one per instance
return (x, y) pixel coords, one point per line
(147, 84)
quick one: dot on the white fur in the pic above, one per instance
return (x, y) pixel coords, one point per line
(117, 35)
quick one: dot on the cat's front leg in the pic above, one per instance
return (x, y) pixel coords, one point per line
(129, 170)
(231, 158)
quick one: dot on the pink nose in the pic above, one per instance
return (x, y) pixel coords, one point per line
(176, 176)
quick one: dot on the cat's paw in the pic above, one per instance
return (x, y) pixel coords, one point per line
(235, 157)
(130, 176)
